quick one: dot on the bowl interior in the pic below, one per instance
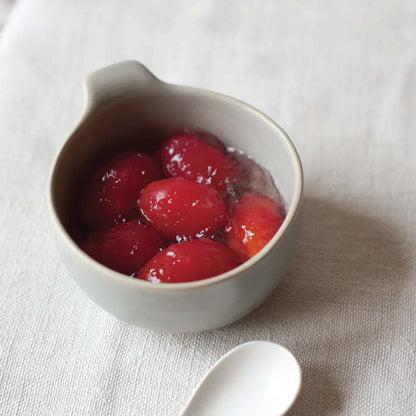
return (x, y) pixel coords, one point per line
(150, 117)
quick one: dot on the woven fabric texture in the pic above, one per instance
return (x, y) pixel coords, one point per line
(340, 78)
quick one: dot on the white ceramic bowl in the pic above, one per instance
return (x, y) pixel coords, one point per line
(125, 101)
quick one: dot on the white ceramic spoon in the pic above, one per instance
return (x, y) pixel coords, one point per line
(258, 378)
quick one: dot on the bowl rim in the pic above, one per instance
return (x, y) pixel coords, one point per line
(169, 287)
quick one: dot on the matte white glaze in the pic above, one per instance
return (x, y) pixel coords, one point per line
(125, 100)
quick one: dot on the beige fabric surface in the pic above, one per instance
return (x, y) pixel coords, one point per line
(5, 8)
(340, 78)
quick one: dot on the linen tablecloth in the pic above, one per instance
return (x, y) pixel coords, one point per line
(339, 77)
(5, 8)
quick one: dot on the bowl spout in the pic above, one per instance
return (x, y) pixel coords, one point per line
(120, 80)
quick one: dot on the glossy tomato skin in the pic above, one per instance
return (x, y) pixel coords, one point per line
(123, 247)
(202, 134)
(110, 194)
(254, 221)
(188, 156)
(189, 261)
(179, 208)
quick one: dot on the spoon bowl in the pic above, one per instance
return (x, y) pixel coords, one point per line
(255, 378)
